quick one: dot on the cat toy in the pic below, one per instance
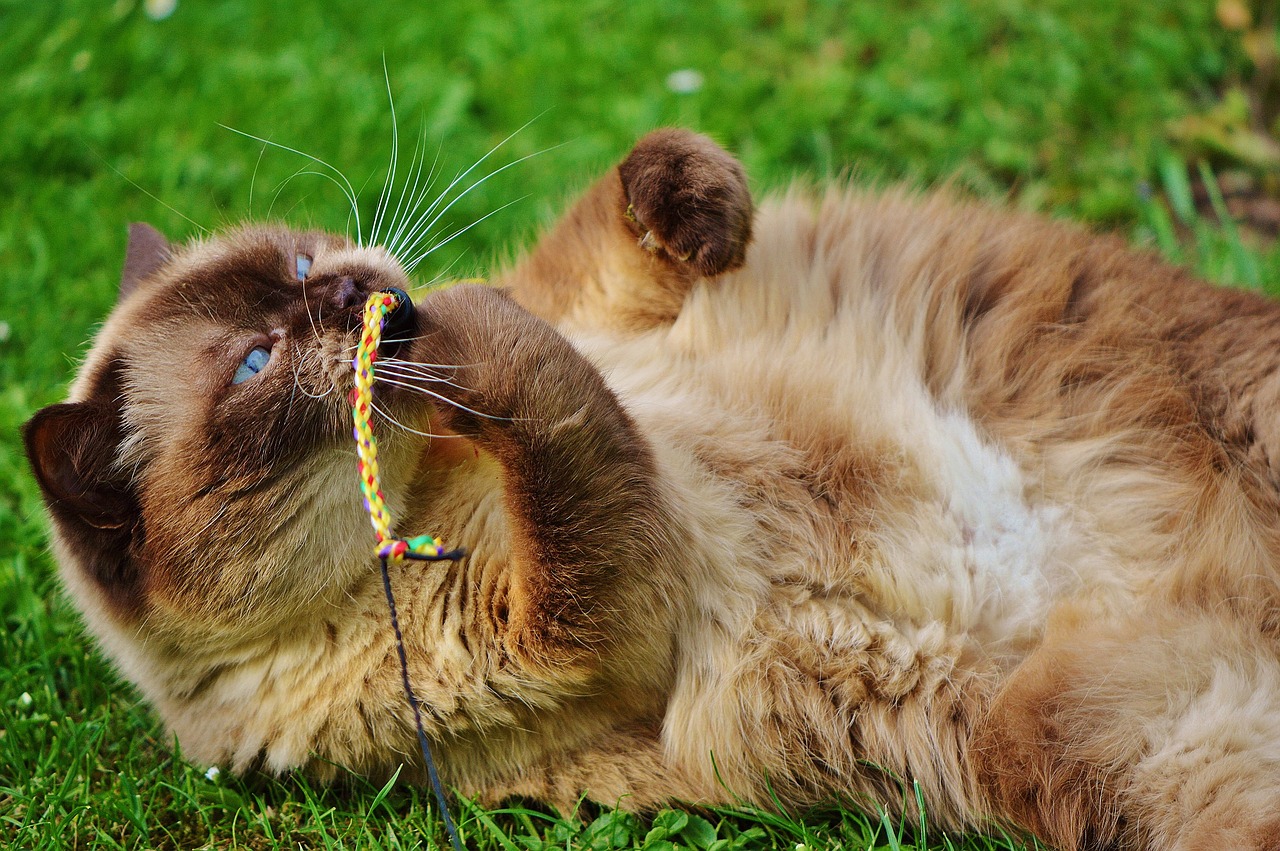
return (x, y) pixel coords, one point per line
(391, 311)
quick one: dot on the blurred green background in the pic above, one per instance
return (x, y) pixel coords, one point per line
(1156, 119)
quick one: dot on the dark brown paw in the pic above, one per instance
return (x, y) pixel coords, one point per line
(506, 369)
(687, 199)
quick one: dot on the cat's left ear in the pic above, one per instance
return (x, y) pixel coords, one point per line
(148, 251)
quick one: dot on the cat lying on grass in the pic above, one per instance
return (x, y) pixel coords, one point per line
(812, 500)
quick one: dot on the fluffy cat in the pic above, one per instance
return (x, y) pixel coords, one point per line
(901, 489)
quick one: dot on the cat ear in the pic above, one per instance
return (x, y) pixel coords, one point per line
(148, 250)
(72, 449)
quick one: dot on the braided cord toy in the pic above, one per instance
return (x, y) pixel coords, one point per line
(380, 309)
(424, 547)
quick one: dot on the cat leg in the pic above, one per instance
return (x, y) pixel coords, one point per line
(677, 209)
(626, 768)
(589, 561)
(1162, 732)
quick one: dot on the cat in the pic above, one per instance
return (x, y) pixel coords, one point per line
(796, 503)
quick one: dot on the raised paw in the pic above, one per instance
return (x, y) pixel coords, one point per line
(687, 200)
(509, 370)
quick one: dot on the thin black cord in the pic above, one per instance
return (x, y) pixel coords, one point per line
(449, 826)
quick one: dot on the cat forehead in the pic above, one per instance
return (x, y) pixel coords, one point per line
(268, 250)
(255, 249)
(217, 277)
(249, 264)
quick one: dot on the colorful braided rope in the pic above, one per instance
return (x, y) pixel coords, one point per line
(376, 309)
(390, 548)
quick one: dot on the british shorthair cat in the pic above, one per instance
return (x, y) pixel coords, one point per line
(808, 500)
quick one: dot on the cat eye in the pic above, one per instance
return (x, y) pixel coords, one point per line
(253, 363)
(302, 267)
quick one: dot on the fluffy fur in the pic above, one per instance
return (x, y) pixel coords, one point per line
(900, 489)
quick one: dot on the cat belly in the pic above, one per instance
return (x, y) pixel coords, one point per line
(1004, 549)
(861, 574)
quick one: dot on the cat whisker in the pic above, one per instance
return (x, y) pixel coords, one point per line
(380, 411)
(280, 189)
(297, 379)
(253, 179)
(413, 264)
(384, 196)
(424, 391)
(413, 363)
(433, 379)
(436, 279)
(424, 368)
(421, 230)
(315, 331)
(411, 197)
(304, 171)
(204, 230)
(427, 372)
(344, 185)
(399, 247)
(353, 346)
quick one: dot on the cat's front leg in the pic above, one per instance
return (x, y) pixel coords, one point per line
(676, 210)
(587, 531)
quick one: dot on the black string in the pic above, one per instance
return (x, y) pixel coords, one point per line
(449, 826)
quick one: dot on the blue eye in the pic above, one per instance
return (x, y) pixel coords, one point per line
(303, 266)
(253, 363)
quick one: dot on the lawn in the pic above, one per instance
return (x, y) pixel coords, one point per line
(1130, 115)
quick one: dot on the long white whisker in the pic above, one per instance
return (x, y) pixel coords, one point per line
(382, 412)
(353, 346)
(297, 384)
(392, 222)
(384, 197)
(345, 185)
(415, 194)
(253, 179)
(423, 230)
(424, 376)
(409, 369)
(412, 366)
(434, 395)
(413, 264)
(400, 363)
(315, 332)
(151, 195)
(431, 284)
(292, 206)
(443, 195)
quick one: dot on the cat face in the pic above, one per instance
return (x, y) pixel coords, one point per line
(203, 471)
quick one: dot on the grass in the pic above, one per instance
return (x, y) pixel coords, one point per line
(110, 116)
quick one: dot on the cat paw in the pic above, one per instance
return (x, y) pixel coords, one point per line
(503, 368)
(688, 201)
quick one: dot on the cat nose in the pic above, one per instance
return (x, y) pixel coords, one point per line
(345, 294)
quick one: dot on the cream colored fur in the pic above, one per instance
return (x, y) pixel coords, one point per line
(872, 546)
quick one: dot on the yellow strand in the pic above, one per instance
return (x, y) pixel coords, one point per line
(376, 310)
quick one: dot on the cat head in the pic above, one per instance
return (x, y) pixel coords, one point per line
(202, 473)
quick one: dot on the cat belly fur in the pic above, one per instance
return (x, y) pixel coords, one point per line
(878, 560)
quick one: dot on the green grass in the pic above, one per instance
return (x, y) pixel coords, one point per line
(1064, 106)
